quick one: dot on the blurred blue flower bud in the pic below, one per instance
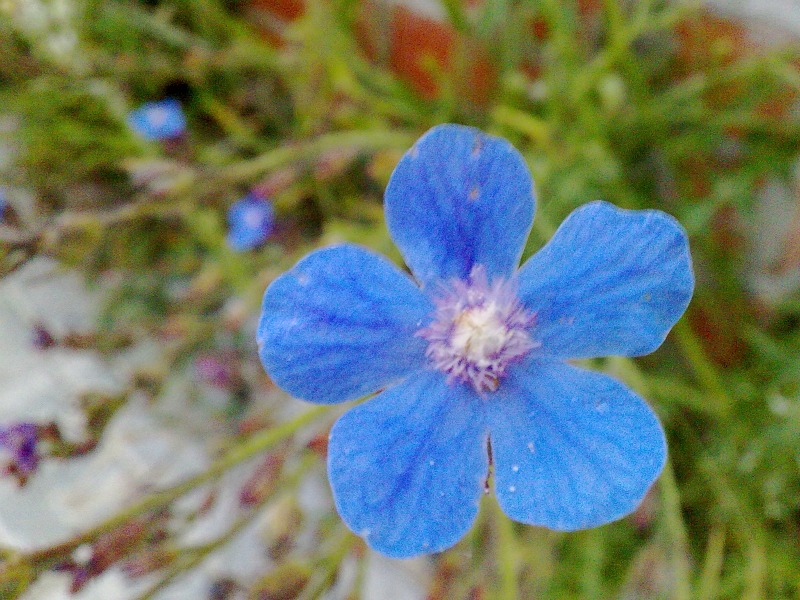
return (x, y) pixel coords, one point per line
(251, 220)
(160, 120)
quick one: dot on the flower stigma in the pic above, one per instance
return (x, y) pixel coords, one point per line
(478, 330)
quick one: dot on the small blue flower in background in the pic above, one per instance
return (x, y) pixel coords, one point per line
(3, 202)
(473, 352)
(19, 442)
(250, 220)
(162, 120)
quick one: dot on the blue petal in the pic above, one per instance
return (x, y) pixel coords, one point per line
(572, 449)
(408, 467)
(610, 281)
(458, 198)
(341, 324)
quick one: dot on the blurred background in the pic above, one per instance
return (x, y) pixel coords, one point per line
(162, 161)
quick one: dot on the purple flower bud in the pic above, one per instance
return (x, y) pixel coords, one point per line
(80, 577)
(42, 338)
(20, 442)
(214, 370)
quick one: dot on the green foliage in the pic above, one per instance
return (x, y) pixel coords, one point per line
(70, 135)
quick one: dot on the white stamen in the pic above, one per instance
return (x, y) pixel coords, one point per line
(478, 330)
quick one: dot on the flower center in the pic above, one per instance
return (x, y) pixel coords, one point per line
(253, 217)
(158, 116)
(479, 333)
(478, 330)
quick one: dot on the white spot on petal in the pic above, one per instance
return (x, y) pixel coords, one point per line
(515, 468)
(512, 488)
(530, 446)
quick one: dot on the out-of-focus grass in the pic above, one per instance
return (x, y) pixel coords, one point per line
(645, 104)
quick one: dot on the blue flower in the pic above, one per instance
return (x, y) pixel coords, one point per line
(473, 352)
(19, 441)
(160, 120)
(251, 221)
(3, 202)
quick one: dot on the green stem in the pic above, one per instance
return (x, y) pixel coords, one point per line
(591, 72)
(257, 444)
(591, 577)
(368, 140)
(674, 526)
(229, 121)
(326, 569)
(697, 84)
(675, 530)
(702, 366)
(149, 23)
(746, 528)
(456, 15)
(70, 222)
(708, 585)
(535, 128)
(681, 393)
(472, 565)
(615, 20)
(507, 554)
(198, 554)
(749, 534)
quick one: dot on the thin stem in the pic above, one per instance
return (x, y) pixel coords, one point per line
(592, 573)
(536, 129)
(681, 393)
(615, 18)
(229, 121)
(326, 569)
(141, 20)
(196, 555)
(746, 527)
(675, 530)
(368, 140)
(605, 59)
(456, 15)
(697, 84)
(708, 585)
(507, 554)
(703, 367)
(472, 566)
(257, 444)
